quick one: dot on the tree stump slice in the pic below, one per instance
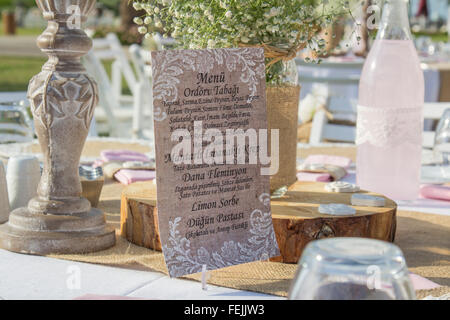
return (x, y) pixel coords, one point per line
(296, 218)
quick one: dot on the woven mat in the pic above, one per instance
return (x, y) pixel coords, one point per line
(424, 239)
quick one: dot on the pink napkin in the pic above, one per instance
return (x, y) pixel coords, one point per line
(127, 176)
(435, 192)
(310, 176)
(122, 155)
(327, 159)
(119, 155)
(421, 283)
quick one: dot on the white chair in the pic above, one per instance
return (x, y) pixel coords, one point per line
(117, 111)
(343, 112)
(322, 130)
(141, 60)
(107, 111)
(342, 80)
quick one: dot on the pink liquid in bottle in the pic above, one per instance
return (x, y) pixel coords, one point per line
(390, 120)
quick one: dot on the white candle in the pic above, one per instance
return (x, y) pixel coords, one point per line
(23, 174)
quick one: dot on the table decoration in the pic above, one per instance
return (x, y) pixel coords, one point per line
(337, 209)
(312, 176)
(367, 200)
(435, 192)
(323, 168)
(341, 187)
(281, 28)
(63, 98)
(390, 110)
(421, 236)
(417, 232)
(334, 173)
(128, 176)
(212, 181)
(92, 180)
(295, 216)
(22, 175)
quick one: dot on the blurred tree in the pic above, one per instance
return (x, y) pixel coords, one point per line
(110, 4)
(127, 13)
(128, 28)
(364, 30)
(127, 31)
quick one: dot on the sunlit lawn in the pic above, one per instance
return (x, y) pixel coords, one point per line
(23, 31)
(16, 72)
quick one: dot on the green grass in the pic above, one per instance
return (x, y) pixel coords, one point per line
(435, 37)
(29, 31)
(23, 31)
(16, 72)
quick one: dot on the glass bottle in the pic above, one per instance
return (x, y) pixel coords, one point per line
(390, 119)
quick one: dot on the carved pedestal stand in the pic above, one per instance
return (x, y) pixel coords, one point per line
(63, 98)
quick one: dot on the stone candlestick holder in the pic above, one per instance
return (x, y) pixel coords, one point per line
(63, 98)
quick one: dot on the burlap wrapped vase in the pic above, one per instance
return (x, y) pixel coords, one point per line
(282, 114)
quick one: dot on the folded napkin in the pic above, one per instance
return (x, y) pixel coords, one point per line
(122, 155)
(435, 192)
(309, 176)
(111, 168)
(339, 161)
(127, 176)
(336, 173)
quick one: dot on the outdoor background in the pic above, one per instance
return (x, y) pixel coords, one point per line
(20, 59)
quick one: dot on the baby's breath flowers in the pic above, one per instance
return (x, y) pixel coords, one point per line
(281, 26)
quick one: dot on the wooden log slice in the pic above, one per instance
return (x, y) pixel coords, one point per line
(296, 218)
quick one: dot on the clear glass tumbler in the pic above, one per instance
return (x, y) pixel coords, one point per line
(352, 269)
(441, 148)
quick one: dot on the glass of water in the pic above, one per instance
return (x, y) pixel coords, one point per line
(441, 147)
(16, 124)
(352, 269)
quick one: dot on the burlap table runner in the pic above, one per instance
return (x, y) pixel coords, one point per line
(424, 239)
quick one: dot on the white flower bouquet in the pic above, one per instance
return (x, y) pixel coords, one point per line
(282, 27)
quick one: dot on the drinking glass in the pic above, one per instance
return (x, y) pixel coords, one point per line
(441, 147)
(351, 269)
(16, 124)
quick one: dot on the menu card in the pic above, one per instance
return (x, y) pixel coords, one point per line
(213, 200)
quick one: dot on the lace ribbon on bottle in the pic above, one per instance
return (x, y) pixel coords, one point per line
(387, 127)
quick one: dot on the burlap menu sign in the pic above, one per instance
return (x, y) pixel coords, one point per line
(213, 204)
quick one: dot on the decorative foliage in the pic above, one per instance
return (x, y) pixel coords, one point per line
(282, 27)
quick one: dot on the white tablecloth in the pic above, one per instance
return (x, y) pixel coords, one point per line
(33, 277)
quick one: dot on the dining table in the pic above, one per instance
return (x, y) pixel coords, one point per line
(47, 277)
